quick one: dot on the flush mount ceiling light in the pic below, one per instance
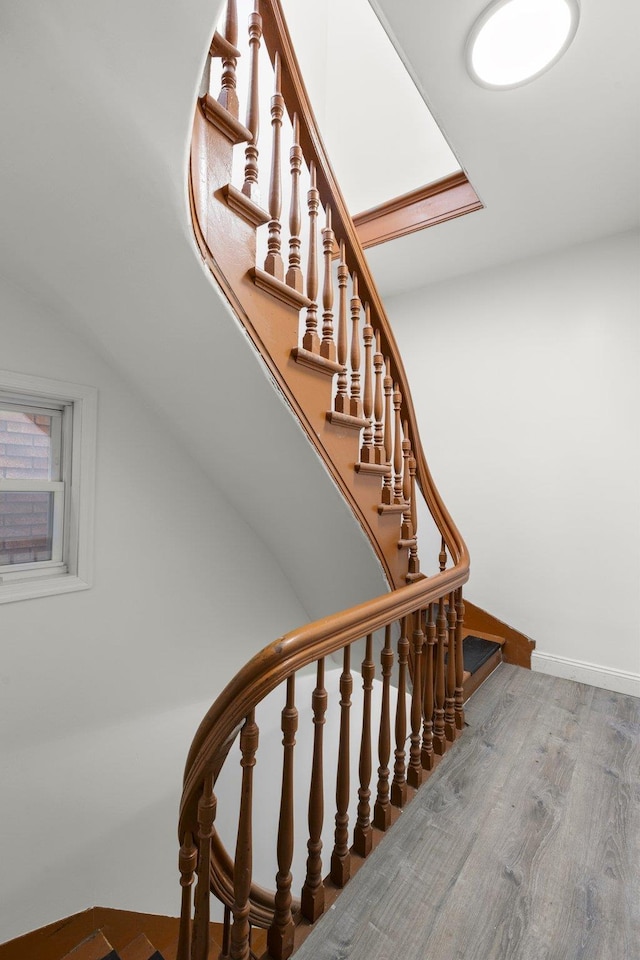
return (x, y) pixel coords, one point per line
(514, 41)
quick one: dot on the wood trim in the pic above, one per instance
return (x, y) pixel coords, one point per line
(278, 289)
(444, 199)
(346, 420)
(251, 212)
(314, 361)
(233, 130)
(472, 683)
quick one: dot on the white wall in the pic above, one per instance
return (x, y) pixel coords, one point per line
(102, 690)
(526, 380)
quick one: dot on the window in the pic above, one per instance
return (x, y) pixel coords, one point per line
(47, 464)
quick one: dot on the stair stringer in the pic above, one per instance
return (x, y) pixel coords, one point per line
(273, 328)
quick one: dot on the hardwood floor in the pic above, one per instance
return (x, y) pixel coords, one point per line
(524, 845)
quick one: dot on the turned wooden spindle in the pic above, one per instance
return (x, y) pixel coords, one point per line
(342, 403)
(379, 452)
(382, 809)
(187, 862)
(273, 263)
(356, 309)
(206, 817)
(250, 186)
(414, 770)
(427, 756)
(459, 660)
(442, 557)
(327, 346)
(243, 863)
(294, 273)
(363, 831)
(387, 483)
(399, 785)
(228, 98)
(313, 889)
(280, 935)
(450, 698)
(340, 861)
(397, 447)
(367, 451)
(311, 341)
(407, 522)
(439, 739)
(414, 562)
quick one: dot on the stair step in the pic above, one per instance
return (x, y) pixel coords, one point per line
(140, 949)
(95, 947)
(477, 651)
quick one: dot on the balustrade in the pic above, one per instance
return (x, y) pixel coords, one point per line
(368, 393)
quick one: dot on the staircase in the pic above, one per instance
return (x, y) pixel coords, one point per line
(273, 229)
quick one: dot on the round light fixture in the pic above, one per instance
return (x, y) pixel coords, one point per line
(514, 41)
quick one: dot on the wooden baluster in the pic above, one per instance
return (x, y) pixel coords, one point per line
(310, 341)
(340, 861)
(382, 810)
(367, 452)
(459, 660)
(273, 263)
(414, 562)
(342, 403)
(363, 832)
(313, 889)
(328, 347)
(356, 307)
(414, 771)
(228, 97)
(442, 557)
(439, 740)
(280, 935)
(226, 933)
(387, 483)
(397, 447)
(379, 452)
(294, 273)
(250, 186)
(187, 861)
(407, 524)
(450, 700)
(206, 817)
(243, 863)
(427, 756)
(399, 785)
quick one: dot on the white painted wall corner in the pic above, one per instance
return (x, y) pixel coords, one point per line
(620, 681)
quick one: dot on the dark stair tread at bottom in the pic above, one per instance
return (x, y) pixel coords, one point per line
(477, 651)
(114, 955)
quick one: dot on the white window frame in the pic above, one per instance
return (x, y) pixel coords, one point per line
(71, 567)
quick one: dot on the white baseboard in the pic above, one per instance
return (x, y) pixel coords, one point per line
(621, 681)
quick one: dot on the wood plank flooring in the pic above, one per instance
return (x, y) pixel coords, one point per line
(524, 844)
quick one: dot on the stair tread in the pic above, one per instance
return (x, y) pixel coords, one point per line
(140, 949)
(477, 651)
(94, 947)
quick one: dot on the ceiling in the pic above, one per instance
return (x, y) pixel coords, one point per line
(555, 162)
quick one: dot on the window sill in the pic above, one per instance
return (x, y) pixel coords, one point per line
(43, 587)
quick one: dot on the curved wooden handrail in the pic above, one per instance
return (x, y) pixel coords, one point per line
(262, 674)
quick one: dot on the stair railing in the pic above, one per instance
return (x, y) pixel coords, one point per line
(428, 615)
(316, 317)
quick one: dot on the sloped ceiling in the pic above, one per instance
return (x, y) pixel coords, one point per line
(555, 162)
